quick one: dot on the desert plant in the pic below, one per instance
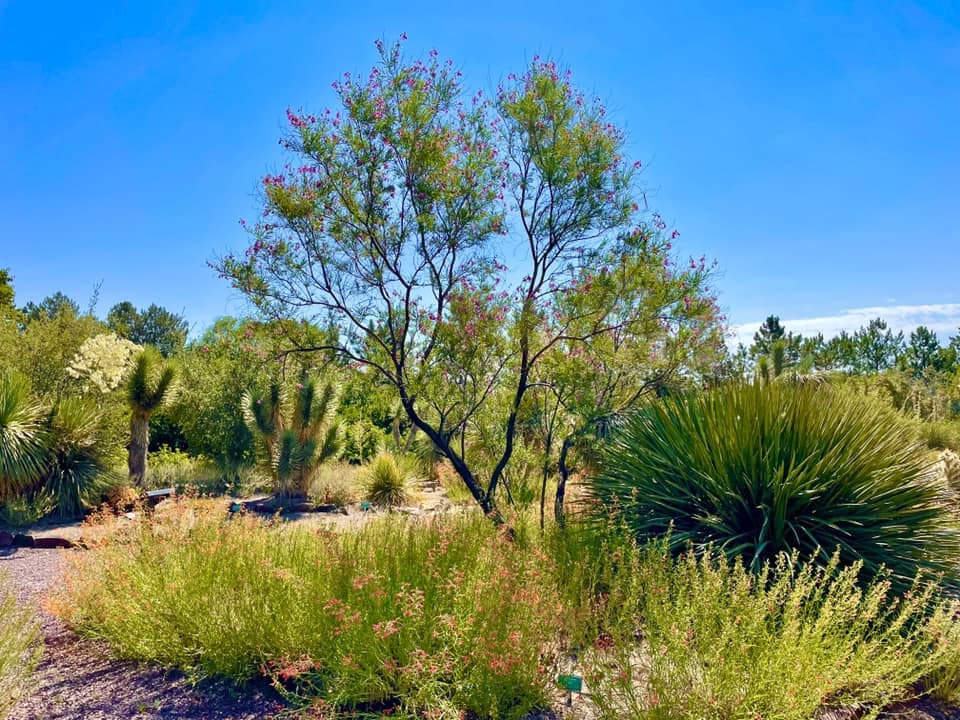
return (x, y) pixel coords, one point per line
(387, 480)
(148, 388)
(406, 618)
(19, 648)
(757, 471)
(77, 468)
(297, 436)
(23, 451)
(361, 441)
(334, 484)
(701, 637)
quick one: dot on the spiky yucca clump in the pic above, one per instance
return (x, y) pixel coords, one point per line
(387, 480)
(758, 471)
(23, 449)
(78, 468)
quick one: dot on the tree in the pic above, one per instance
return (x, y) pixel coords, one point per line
(148, 386)
(770, 331)
(387, 225)
(924, 351)
(7, 296)
(877, 348)
(155, 326)
(51, 307)
(299, 435)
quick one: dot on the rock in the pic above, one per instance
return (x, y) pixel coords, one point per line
(326, 508)
(23, 540)
(49, 543)
(408, 510)
(6, 539)
(343, 510)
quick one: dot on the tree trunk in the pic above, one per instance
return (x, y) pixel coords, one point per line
(137, 449)
(564, 472)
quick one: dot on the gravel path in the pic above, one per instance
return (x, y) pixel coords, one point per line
(77, 679)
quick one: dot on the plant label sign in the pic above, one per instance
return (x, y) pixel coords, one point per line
(571, 683)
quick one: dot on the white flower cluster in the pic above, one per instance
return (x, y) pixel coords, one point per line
(102, 361)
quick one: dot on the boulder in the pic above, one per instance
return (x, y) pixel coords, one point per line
(23, 540)
(6, 540)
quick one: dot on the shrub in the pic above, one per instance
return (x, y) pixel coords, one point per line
(397, 615)
(23, 511)
(387, 480)
(721, 641)
(19, 648)
(761, 471)
(76, 471)
(334, 484)
(175, 468)
(361, 441)
(940, 434)
(23, 452)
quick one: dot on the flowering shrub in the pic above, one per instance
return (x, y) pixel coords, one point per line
(412, 617)
(701, 637)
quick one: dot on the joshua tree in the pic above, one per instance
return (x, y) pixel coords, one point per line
(297, 438)
(147, 388)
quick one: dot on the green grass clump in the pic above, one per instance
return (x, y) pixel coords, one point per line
(403, 616)
(20, 648)
(758, 471)
(699, 636)
(387, 480)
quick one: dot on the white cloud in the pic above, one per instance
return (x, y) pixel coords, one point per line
(943, 319)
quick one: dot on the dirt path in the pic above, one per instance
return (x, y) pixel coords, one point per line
(77, 680)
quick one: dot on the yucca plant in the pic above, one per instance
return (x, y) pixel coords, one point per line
(148, 387)
(761, 470)
(298, 436)
(387, 480)
(23, 451)
(77, 468)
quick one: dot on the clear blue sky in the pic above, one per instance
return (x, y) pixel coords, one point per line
(813, 151)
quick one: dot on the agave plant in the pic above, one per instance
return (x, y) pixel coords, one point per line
(756, 471)
(298, 436)
(23, 449)
(148, 387)
(77, 468)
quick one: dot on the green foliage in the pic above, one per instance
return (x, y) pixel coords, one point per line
(391, 224)
(720, 641)
(399, 617)
(149, 380)
(335, 484)
(361, 441)
(940, 435)
(177, 469)
(77, 470)
(156, 326)
(26, 509)
(758, 471)
(20, 648)
(388, 480)
(298, 435)
(22, 436)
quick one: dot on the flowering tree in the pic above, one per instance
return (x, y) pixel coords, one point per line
(401, 214)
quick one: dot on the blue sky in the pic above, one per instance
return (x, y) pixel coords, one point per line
(812, 150)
